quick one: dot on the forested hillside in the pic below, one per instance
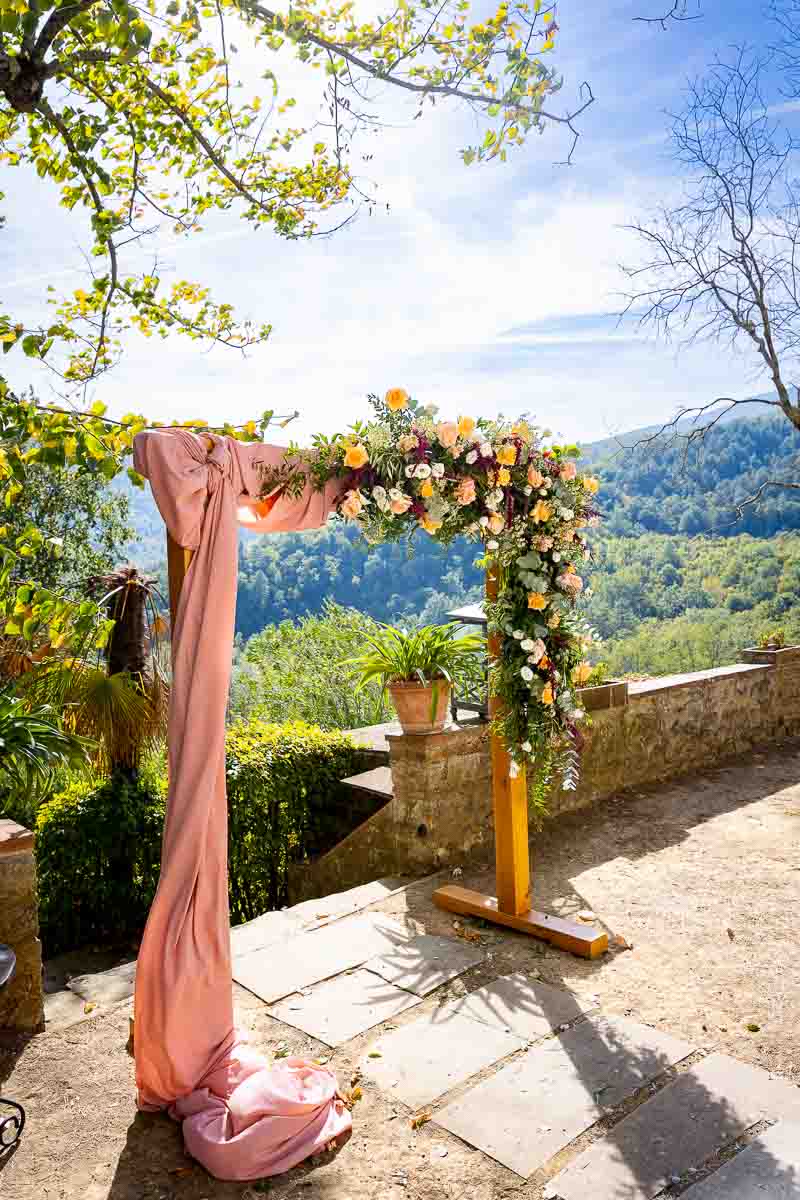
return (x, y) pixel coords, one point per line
(651, 564)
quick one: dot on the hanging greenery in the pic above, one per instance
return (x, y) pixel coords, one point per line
(499, 483)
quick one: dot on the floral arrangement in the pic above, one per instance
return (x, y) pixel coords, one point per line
(528, 503)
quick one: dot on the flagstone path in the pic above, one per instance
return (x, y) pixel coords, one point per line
(481, 1079)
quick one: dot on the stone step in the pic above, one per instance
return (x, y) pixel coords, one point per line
(679, 1129)
(376, 783)
(769, 1169)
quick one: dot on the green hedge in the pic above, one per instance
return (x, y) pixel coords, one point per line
(97, 857)
(98, 848)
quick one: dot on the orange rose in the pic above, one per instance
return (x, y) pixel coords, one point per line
(507, 455)
(427, 489)
(537, 601)
(582, 672)
(541, 511)
(466, 426)
(547, 694)
(399, 502)
(396, 398)
(522, 430)
(503, 476)
(543, 663)
(568, 471)
(591, 484)
(429, 524)
(355, 456)
(447, 433)
(535, 478)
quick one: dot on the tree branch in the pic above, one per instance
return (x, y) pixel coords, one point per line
(676, 13)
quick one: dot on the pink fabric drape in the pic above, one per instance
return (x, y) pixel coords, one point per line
(242, 1119)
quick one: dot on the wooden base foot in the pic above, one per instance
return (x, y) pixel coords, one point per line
(566, 935)
(129, 1044)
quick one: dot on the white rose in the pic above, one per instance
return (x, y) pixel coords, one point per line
(527, 489)
(566, 514)
(486, 450)
(409, 471)
(471, 457)
(537, 650)
(437, 470)
(484, 521)
(527, 747)
(577, 714)
(422, 471)
(492, 545)
(491, 502)
(526, 673)
(380, 498)
(514, 770)
(518, 634)
(527, 645)
(556, 556)
(542, 491)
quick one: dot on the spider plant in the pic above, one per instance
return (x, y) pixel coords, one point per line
(427, 656)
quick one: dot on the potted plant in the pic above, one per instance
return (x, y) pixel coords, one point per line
(599, 690)
(417, 669)
(772, 639)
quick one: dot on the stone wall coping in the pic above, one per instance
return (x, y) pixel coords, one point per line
(462, 725)
(645, 687)
(13, 837)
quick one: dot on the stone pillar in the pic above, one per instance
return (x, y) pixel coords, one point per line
(442, 806)
(786, 662)
(21, 1001)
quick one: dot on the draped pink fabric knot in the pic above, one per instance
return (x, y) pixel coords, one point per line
(242, 1118)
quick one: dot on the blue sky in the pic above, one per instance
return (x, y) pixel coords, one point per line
(483, 290)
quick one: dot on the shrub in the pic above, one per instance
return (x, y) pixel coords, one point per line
(97, 854)
(98, 848)
(284, 802)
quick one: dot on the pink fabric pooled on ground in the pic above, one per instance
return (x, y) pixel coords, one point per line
(242, 1118)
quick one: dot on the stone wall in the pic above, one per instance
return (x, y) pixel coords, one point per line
(441, 810)
(21, 1001)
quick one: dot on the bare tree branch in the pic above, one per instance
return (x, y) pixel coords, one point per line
(678, 12)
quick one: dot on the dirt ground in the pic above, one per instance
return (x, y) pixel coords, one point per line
(702, 879)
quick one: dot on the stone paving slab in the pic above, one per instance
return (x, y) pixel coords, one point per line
(106, 987)
(425, 962)
(343, 904)
(263, 931)
(427, 1058)
(767, 1169)
(344, 1007)
(703, 1110)
(535, 1106)
(526, 1007)
(307, 958)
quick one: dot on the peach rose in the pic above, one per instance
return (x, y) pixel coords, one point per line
(496, 523)
(535, 478)
(396, 398)
(568, 471)
(537, 601)
(355, 456)
(507, 455)
(399, 502)
(522, 430)
(447, 433)
(352, 504)
(570, 582)
(466, 426)
(465, 492)
(408, 442)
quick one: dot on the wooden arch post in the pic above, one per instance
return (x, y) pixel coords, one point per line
(512, 904)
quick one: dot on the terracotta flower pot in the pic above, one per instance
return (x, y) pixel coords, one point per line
(413, 704)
